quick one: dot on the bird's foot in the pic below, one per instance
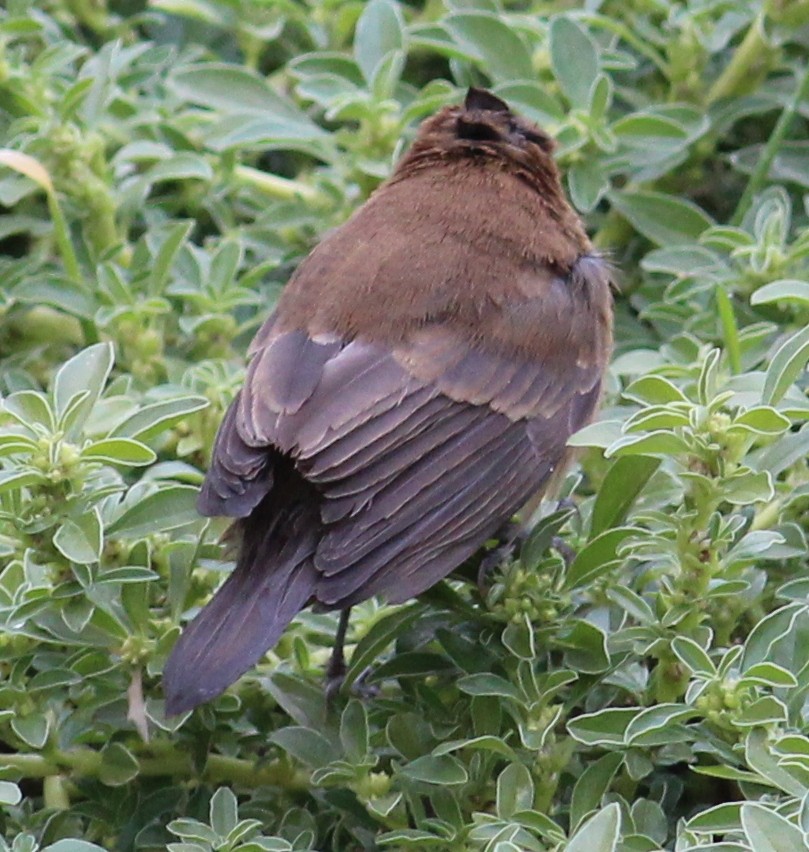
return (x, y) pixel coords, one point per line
(567, 553)
(360, 688)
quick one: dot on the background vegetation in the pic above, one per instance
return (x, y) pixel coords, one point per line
(164, 166)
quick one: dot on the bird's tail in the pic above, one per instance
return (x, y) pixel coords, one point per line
(273, 580)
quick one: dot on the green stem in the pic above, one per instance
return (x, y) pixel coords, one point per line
(72, 268)
(730, 329)
(55, 794)
(762, 169)
(62, 234)
(156, 759)
(275, 186)
(754, 51)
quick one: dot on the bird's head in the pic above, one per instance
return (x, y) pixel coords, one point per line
(483, 125)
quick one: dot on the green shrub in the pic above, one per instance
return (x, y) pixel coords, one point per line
(163, 167)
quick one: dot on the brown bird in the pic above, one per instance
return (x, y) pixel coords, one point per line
(414, 388)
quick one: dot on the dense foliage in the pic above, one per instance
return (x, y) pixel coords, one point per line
(643, 684)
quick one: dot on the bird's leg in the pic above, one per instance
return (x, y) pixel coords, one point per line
(507, 537)
(336, 669)
(567, 553)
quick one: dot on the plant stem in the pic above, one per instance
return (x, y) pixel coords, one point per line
(275, 186)
(762, 169)
(754, 51)
(54, 793)
(154, 760)
(730, 329)
(62, 234)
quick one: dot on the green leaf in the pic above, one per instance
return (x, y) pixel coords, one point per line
(482, 743)
(574, 59)
(384, 631)
(233, 89)
(32, 730)
(775, 627)
(124, 451)
(625, 480)
(592, 785)
(647, 129)
(10, 793)
(658, 725)
(666, 220)
(718, 819)
(489, 684)
(354, 732)
(597, 557)
(172, 242)
(13, 480)
(71, 844)
(600, 832)
(632, 603)
(542, 536)
(305, 745)
(658, 443)
(380, 31)
(654, 390)
(518, 637)
(515, 790)
(168, 508)
(783, 290)
(30, 408)
(600, 434)
(693, 656)
(769, 674)
(586, 646)
(766, 710)
(761, 420)
(786, 365)
(532, 101)
(436, 769)
(658, 417)
(88, 371)
(768, 831)
(588, 182)
(601, 92)
(58, 292)
(195, 831)
(183, 166)
(602, 728)
(118, 765)
(80, 539)
(224, 811)
(760, 757)
(495, 45)
(746, 487)
(151, 420)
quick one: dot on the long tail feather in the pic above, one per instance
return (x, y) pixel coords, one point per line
(273, 580)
